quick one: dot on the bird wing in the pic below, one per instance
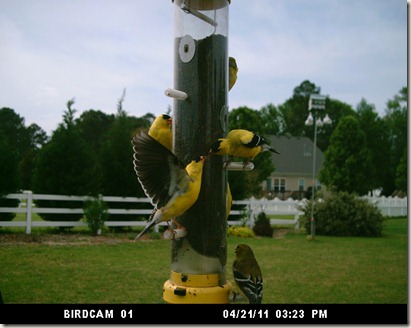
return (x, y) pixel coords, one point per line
(244, 137)
(251, 286)
(252, 140)
(158, 170)
(232, 73)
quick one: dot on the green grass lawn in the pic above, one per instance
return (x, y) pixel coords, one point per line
(113, 269)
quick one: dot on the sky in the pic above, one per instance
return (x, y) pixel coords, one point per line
(91, 50)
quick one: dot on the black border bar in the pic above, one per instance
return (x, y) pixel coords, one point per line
(169, 314)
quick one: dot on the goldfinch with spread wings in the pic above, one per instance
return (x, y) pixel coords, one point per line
(172, 187)
(247, 274)
(232, 72)
(241, 143)
(160, 130)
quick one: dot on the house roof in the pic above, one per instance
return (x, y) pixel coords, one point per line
(296, 155)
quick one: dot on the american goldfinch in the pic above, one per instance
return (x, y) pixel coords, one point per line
(247, 274)
(172, 188)
(241, 143)
(160, 130)
(232, 72)
(229, 200)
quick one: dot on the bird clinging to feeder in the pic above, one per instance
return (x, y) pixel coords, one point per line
(172, 187)
(247, 274)
(241, 143)
(232, 72)
(160, 130)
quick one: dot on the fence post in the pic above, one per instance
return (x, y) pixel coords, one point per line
(297, 221)
(29, 204)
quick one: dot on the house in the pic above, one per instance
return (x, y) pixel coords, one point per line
(293, 175)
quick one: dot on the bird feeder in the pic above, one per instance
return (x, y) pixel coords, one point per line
(200, 116)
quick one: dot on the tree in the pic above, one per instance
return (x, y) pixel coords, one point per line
(401, 182)
(273, 123)
(14, 130)
(335, 110)
(245, 118)
(64, 167)
(295, 109)
(37, 138)
(94, 126)
(8, 176)
(376, 141)
(347, 161)
(25, 142)
(396, 121)
(119, 177)
(294, 112)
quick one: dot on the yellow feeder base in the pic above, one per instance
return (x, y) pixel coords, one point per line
(196, 289)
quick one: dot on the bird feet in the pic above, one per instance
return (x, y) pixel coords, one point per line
(177, 233)
(245, 163)
(172, 234)
(228, 162)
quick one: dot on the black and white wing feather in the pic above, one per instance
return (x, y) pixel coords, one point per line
(158, 170)
(251, 286)
(255, 141)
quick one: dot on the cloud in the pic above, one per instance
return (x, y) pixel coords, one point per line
(52, 51)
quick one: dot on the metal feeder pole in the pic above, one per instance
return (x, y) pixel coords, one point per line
(200, 116)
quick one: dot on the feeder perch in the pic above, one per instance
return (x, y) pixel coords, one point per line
(176, 94)
(239, 166)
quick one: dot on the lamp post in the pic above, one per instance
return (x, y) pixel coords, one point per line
(316, 107)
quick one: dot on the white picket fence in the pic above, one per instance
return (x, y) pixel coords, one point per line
(253, 206)
(250, 209)
(390, 206)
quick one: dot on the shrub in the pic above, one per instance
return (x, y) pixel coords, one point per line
(242, 232)
(59, 216)
(96, 213)
(262, 226)
(6, 202)
(343, 214)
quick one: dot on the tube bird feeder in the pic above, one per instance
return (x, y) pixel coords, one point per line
(200, 116)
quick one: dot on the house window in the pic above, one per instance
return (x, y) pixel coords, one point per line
(269, 184)
(301, 184)
(279, 184)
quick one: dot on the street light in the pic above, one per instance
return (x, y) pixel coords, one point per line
(316, 106)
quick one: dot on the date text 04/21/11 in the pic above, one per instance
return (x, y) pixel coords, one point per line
(245, 314)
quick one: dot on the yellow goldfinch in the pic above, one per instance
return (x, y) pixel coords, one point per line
(172, 188)
(232, 72)
(229, 200)
(247, 274)
(160, 130)
(241, 143)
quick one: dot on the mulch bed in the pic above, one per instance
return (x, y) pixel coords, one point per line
(63, 239)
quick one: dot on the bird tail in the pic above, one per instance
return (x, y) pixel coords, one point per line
(268, 148)
(151, 223)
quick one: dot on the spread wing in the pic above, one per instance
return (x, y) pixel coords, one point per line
(158, 170)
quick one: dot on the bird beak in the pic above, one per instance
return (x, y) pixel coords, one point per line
(169, 121)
